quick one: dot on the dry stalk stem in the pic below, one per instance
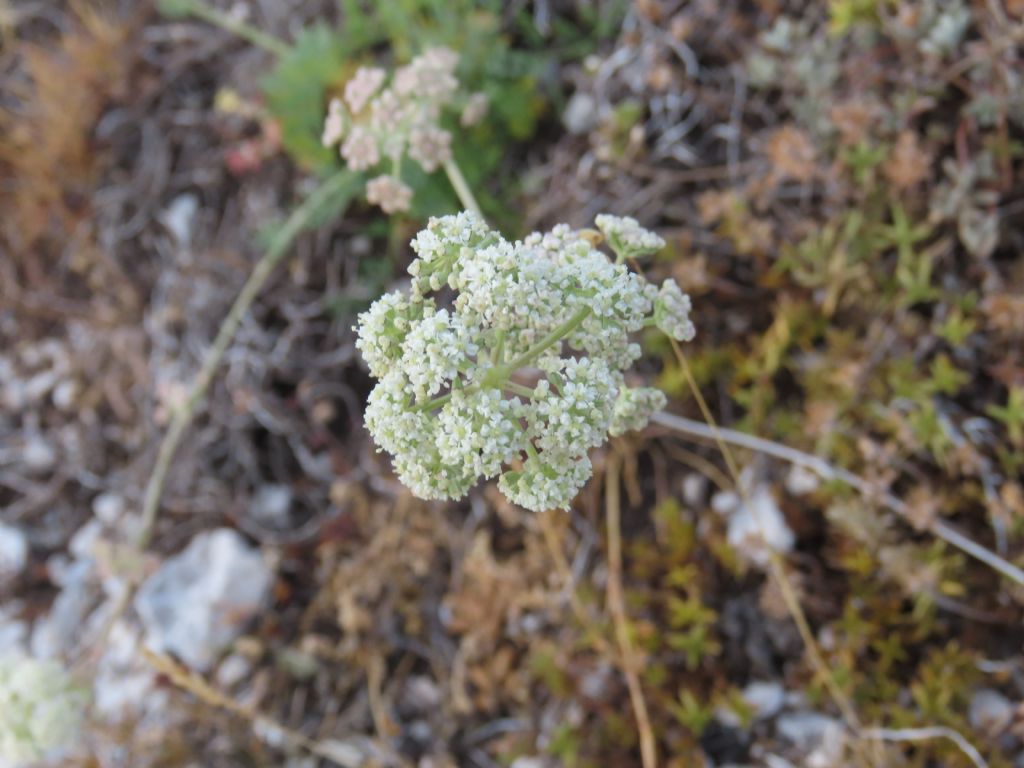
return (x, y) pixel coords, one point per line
(776, 566)
(554, 545)
(827, 472)
(617, 608)
(183, 416)
(187, 680)
(924, 734)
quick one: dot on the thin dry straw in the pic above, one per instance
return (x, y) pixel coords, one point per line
(827, 472)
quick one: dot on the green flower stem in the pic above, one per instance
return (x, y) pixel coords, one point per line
(544, 344)
(437, 402)
(247, 32)
(498, 376)
(499, 348)
(182, 417)
(517, 389)
(458, 182)
(531, 450)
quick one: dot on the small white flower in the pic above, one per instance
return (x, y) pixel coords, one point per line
(547, 481)
(481, 431)
(574, 417)
(387, 112)
(430, 76)
(41, 709)
(382, 329)
(438, 347)
(672, 312)
(440, 245)
(634, 409)
(626, 237)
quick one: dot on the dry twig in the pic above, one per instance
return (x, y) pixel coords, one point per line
(617, 608)
(932, 732)
(776, 566)
(827, 472)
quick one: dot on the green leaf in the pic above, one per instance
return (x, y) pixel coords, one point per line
(1011, 415)
(176, 9)
(296, 93)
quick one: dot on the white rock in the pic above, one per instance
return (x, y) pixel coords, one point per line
(271, 505)
(65, 394)
(829, 753)
(695, 486)
(990, 711)
(108, 507)
(57, 633)
(806, 730)
(233, 670)
(343, 753)
(580, 113)
(800, 481)
(422, 694)
(725, 502)
(38, 386)
(758, 526)
(199, 600)
(38, 455)
(124, 684)
(13, 552)
(13, 631)
(179, 217)
(766, 699)
(83, 542)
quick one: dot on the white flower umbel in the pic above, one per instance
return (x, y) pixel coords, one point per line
(380, 122)
(41, 709)
(672, 312)
(626, 237)
(518, 372)
(634, 408)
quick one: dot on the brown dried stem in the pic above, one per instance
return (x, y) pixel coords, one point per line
(617, 608)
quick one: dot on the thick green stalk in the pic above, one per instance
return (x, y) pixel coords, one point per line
(497, 377)
(502, 372)
(514, 388)
(458, 182)
(182, 417)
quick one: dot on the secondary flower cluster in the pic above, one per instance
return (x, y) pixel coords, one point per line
(520, 373)
(377, 121)
(40, 709)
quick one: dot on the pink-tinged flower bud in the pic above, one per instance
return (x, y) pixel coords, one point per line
(362, 87)
(360, 149)
(430, 147)
(334, 125)
(389, 193)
